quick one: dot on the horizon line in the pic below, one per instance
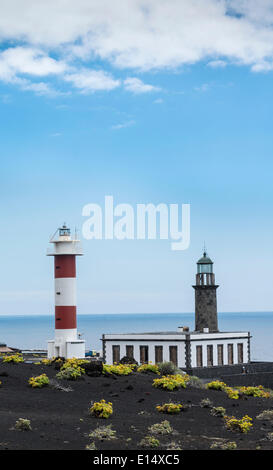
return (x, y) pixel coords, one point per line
(131, 313)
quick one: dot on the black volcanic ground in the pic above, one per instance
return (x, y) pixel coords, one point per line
(60, 420)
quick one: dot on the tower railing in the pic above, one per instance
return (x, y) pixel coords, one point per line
(205, 279)
(73, 247)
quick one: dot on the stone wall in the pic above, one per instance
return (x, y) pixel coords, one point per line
(258, 373)
(205, 308)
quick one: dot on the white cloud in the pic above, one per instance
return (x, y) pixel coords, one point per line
(217, 64)
(92, 80)
(135, 85)
(56, 134)
(53, 37)
(123, 125)
(30, 61)
(202, 88)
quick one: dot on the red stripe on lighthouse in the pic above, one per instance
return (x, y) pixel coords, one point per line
(65, 318)
(65, 266)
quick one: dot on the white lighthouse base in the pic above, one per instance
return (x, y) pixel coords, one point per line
(66, 348)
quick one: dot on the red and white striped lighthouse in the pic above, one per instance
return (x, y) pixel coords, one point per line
(66, 343)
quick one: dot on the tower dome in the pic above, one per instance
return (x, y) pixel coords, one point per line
(204, 264)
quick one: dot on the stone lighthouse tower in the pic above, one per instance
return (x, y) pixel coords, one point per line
(65, 249)
(205, 296)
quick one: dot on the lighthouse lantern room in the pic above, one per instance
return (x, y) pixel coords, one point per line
(66, 342)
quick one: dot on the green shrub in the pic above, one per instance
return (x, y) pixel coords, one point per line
(91, 446)
(216, 385)
(195, 382)
(173, 446)
(101, 409)
(69, 373)
(218, 411)
(170, 408)
(103, 433)
(161, 428)
(15, 358)
(230, 445)
(149, 442)
(23, 424)
(232, 393)
(254, 391)
(266, 415)
(118, 369)
(243, 425)
(167, 368)
(171, 382)
(144, 368)
(206, 403)
(39, 381)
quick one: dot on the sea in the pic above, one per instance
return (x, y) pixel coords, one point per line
(33, 331)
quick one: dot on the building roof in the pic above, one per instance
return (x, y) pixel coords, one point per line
(205, 259)
(177, 333)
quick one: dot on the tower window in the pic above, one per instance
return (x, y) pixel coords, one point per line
(173, 354)
(144, 354)
(240, 350)
(210, 355)
(158, 354)
(199, 356)
(230, 354)
(220, 354)
(130, 351)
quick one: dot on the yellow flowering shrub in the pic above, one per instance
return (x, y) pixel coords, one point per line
(242, 425)
(75, 364)
(171, 382)
(216, 385)
(118, 369)
(101, 409)
(235, 393)
(16, 358)
(53, 360)
(148, 368)
(46, 362)
(254, 391)
(232, 393)
(170, 408)
(39, 381)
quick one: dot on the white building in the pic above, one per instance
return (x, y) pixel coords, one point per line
(204, 347)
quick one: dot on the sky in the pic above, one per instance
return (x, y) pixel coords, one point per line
(149, 101)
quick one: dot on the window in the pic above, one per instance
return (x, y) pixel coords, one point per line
(116, 353)
(240, 349)
(199, 356)
(144, 354)
(130, 351)
(220, 354)
(230, 354)
(173, 354)
(209, 355)
(158, 354)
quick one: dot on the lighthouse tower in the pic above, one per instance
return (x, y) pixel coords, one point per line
(205, 296)
(65, 249)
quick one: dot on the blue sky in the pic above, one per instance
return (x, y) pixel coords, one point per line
(97, 110)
